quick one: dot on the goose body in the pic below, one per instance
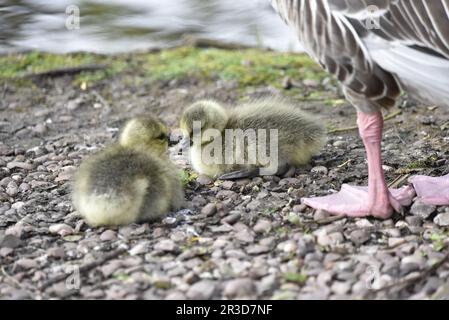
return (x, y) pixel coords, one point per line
(376, 49)
(299, 136)
(131, 180)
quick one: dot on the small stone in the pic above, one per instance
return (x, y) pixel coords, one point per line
(108, 235)
(360, 236)
(12, 189)
(140, 248)
(306, 245)
(340, 288)
(422, 210)
(61, 229)
(340, 144)
(202, 290)
(290, 246)
(58, 253)
(40, 128)
(10, 241)
(321, 215)
(262, 226)
(26, 263)
(394, 242)
(24, 187)
(232, 218)
(166, 245)
(412, 263)
(204, 180)
(320, 170)
(20, 165)
(299, 208)
(209, 209)
(244, 235)
(4, 252)
(239, 288)
(228, 185)
(442, 219)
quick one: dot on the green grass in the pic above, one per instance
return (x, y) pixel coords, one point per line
(299, 278)
(250, 67)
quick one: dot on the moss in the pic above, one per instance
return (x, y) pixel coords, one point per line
(429, 162)
(299, 278)
(249, 67)
(187, 177)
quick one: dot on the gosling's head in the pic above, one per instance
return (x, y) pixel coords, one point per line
(145, 133)
(204, 114)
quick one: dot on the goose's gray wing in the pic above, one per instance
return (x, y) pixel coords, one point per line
(341, 36)
(423, 23)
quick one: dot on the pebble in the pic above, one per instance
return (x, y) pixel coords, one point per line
(412, 263)
(26, 263)
(360, 236)
(204, 180)
(340, 144)
(340, 288)
(166, 245)
(320, 215)
(239, 288)
(262, 226)
(299, 208)
(442, 219)
(209, 209)
(201, 290)
(320, 170)
(10, 241)
(232, 218)
(61, 229)
(20, 165)
(108, 235)
(12, 189)
(245, 235)
(422, 210)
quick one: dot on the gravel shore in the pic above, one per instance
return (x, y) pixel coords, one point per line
(243, 239)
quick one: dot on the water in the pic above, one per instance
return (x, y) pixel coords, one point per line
(112, 26)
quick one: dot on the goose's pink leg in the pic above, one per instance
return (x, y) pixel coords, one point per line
(432, 190)
(376, 199)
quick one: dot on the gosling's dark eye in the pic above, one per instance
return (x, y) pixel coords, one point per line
(162, 136)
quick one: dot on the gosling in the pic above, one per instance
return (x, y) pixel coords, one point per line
(300, 136)
(131, 180)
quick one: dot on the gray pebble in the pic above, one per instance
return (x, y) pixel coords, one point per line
(320, 170)
(262, 226)
(12, 189)
(166, 245)
(421, 209)
(239, 288)
(10, 241)
(232, 218)
(202, 290)
(442, 219)
(209, 210)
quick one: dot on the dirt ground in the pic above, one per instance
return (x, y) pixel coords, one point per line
(243, 239)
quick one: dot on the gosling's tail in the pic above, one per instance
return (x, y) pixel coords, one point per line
(112, 207)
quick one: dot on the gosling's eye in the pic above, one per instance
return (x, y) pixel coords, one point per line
(162, 136)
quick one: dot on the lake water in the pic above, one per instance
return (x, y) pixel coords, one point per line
(112, 26)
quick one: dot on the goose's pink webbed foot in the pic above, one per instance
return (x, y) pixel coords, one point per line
(354, 201)
(432, 190)
(376, 199)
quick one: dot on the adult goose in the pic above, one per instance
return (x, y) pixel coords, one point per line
(377, 48)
